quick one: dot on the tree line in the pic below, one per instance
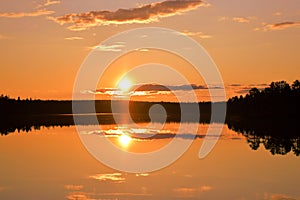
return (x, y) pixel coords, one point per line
(278, 100)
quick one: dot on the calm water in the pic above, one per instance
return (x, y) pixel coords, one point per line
(53, 164)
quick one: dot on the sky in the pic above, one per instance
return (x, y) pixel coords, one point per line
(43, 43)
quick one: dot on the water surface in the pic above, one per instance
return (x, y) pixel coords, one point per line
(52, 163)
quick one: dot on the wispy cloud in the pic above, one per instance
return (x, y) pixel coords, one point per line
(197, 34)
(26, 14)
(143, 14)
(186, 192)
(278, 26)
(74, 38)
(241, 19)
(49, 3)
(236, 19)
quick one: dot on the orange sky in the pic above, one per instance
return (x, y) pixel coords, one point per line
(43, 43)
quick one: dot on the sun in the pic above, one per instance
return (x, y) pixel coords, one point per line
(124, 140)
(124, 84)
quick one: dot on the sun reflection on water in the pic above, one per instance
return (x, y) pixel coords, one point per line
(124, 140)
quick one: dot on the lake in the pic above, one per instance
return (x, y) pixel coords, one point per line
(52, 163)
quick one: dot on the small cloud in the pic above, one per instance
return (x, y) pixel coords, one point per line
(278, 26)
(26, 14)
(125, 194)
(73, 187)
(197, 34)
(116, 177)
(237, 19)
(241, 19)
(142, 14)
(74, 38)
(185, 192)
(223, 18)
(205, 188)
(142, 175)
(78, 197)
(278, 197)
(143, 50)
(277, 13)
(48, 3)
(109, 48)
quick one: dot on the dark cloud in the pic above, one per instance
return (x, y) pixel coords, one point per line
(156, 87)
(235, 85)
(280, 26)
(143, 14)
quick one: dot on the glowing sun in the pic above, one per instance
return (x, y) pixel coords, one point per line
(124, 84)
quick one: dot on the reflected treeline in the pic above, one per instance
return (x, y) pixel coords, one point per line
(277, 136)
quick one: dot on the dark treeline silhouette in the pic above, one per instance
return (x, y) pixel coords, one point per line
(279, 100)
(268, 117)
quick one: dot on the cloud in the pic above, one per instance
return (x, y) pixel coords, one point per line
(237, 19)
(125, 194)
(143, 14)
(190, 192)
(241, 19)
(205, 188)
(278, 197)
(74, 38)
(185, 192)
(279, 26)
(78, 197)
(147, 89)
(49, 3)
(73, 187)
(198, 34)
(235, 85)
(26, 14)
(277, 13)
(109, 48)
(142, 175)
(223, 18)
(116, 177)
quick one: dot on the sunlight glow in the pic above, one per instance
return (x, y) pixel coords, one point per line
(124, 140)
(124, 84)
